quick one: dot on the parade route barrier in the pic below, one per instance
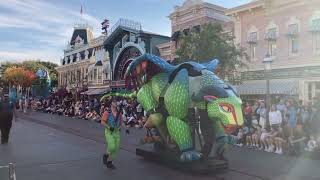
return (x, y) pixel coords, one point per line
(8, 172)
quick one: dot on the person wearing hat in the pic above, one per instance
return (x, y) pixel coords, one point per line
(7, 114)
(112, 120)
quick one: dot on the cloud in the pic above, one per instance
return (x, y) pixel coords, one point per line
(48, 24)
(16, 56)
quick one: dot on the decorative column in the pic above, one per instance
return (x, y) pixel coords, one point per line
(78, 57)
(86, 54)
(71, 58)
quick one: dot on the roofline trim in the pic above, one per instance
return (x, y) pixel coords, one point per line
(245, 7)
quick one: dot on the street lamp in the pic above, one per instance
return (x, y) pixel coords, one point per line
(267, 61)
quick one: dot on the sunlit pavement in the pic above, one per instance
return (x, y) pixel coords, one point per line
(52, 147)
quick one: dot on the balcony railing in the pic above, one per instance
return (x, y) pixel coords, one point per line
(252, 39)
(271, 35)
(104, 82)
(315, 25)
(126, 23)
(117, 84)
(293, 30)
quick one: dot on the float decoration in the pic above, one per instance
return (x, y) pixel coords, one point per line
(174, 97)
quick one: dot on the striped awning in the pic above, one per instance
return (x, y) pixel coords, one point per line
(277, 86)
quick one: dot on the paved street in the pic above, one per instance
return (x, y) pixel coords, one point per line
(52, 147)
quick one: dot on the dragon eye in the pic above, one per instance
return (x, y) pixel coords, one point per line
(226, 108)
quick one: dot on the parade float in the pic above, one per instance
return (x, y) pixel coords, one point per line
(191, 108)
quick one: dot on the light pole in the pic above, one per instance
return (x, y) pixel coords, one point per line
(1, 70)
(1, 85)
(267, 61)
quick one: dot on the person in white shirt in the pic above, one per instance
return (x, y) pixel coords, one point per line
(275, 117)
(21, 104)
(275, 120)
(262, 111)
(26, 103)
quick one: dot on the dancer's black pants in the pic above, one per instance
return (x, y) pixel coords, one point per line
(5, 132)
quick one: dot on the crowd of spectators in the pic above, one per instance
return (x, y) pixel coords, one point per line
(289, 127)
(87, 109)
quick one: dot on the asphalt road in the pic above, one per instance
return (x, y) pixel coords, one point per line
(49, 147)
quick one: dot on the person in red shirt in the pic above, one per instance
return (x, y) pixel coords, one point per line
(248, 114)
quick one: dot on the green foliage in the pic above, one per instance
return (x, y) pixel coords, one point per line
(35, 65)
(211, 42)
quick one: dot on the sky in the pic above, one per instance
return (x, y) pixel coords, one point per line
(41, 29)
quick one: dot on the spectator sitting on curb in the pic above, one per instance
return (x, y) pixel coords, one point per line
(296, 142)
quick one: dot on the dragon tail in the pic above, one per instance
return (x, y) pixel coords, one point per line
(119, 94)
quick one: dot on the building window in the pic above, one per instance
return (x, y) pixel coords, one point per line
(309, 91)
(95, 74)
(99, 75)
(294, 44)
(316, 42)
(315, 25)
(271, 34)
(252, 41)
(271, 37)
(124, 40)
(293, 30)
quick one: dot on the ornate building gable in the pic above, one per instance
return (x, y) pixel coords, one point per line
(127, 41)
(194, 13)
(78, 41)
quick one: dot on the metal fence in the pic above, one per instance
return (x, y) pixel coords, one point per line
(8, 172)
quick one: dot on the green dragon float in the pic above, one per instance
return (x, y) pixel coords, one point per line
(176, 98)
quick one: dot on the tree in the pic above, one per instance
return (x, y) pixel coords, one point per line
(211, 42)
(19, 76)
(34, 66)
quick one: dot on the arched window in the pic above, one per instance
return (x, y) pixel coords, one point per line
(252, 39)
(293, 26)
(271, 35)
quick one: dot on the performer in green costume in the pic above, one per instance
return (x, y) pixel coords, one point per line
(112, 121)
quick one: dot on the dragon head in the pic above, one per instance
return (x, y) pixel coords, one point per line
(225, 107)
